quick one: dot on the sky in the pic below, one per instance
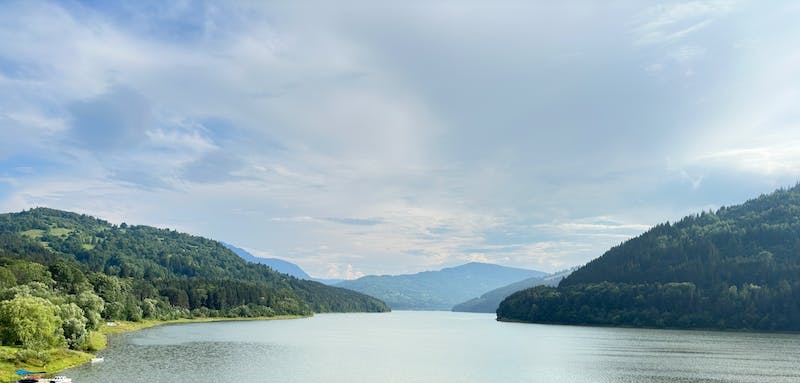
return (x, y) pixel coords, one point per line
(370, 137)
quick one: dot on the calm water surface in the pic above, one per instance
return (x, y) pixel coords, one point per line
(430, 347)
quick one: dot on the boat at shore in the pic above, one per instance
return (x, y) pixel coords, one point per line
(36, 379)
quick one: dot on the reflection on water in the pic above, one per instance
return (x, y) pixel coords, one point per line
(438, 347)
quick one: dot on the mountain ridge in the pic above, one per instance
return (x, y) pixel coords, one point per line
(490, 301)
(438, 289)
(277, 264)
(281, 266)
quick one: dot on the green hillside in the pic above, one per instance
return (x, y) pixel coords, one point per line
(82, 271)
(736, 268)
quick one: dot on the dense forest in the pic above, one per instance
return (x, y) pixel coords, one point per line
(736, 268)
(63, 274)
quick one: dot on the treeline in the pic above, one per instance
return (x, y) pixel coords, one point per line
(63, 274)
(736, 268)
(668, 305)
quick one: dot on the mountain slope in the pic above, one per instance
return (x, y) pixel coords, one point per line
(438, 290)
(736, 268)
(276, 264)
(280, 266)
(185, 272)
(488, 302)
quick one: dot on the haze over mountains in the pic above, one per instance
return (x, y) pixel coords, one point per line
(489, 301)
(438, 290)
(280, 265)
(432, 290)
(276, 264)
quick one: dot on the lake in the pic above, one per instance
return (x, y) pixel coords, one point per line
(409, 346)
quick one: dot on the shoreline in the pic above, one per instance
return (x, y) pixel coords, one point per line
(631, 327)
(121, 327)
(63, 359)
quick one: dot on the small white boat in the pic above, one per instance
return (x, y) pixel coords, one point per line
(97, 360)
(59, 379)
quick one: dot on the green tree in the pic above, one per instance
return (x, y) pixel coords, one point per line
(73, 324)
(92, 306)
(7, 278)
(26, 272)
(31, 322)
(69, 278)
(33, 289)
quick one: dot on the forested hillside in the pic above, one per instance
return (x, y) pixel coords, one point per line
(71, 272)
(736, 268)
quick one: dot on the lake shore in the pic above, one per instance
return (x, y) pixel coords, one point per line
(62, 358)
(437, 346)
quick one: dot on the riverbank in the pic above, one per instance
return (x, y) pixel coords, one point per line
(61, 359)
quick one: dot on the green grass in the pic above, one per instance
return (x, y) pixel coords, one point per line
(33, 233)
(38, 233)
(60, 359)
(97, 341)
(125, 326)
(59, 231)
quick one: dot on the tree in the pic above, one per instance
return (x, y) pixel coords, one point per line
(7, 278)
(69, 278)
(26, 272)
(92, 306)
(73, 324)
(31, 322)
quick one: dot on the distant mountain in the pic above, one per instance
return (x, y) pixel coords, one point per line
(280, 266)
(276, 264)
(488, 302)
(736, 268)
(438, 290)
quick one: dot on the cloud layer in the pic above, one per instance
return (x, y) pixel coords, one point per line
(374, 138)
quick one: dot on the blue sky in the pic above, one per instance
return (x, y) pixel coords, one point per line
(371, 138)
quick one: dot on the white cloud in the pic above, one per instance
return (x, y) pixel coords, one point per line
(776, 160)
(36, 122)
(666, 23)
(695, 181)
(599, 225)
(191, 139)
(357, 139)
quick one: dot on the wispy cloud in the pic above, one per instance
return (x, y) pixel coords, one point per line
(667, 23)
(780, 160)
